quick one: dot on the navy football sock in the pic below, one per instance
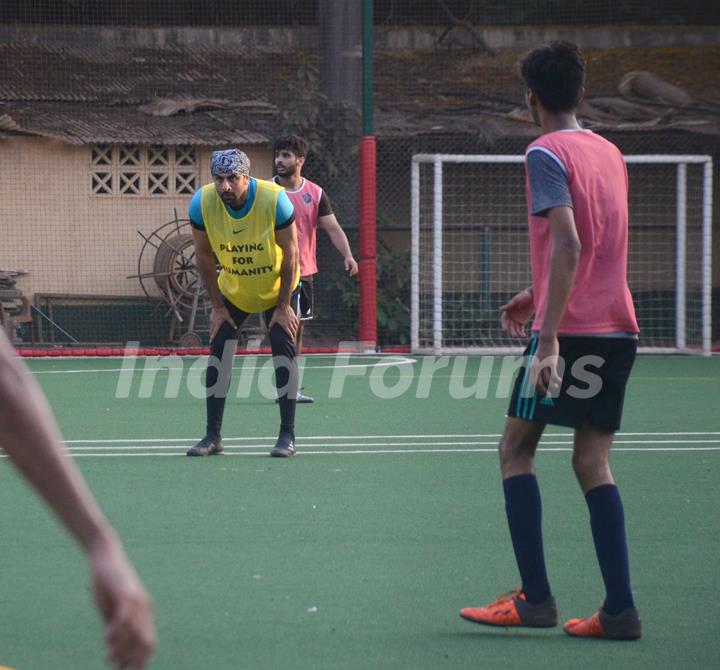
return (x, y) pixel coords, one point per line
(607, 521)
(524, 514)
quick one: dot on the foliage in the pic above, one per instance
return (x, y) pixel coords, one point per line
(393, 295)
(330, 127)
(332, 130)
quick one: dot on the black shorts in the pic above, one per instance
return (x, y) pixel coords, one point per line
(307, 299)
(595, 372)
(239, 316)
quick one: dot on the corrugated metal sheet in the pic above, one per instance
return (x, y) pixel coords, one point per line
(90, 95)
(82, 95)
(77, 124)
(123, 76)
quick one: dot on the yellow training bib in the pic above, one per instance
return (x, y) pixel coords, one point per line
(249, 257)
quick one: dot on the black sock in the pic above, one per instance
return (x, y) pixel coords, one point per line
(524, 514)
(607, 520)
(217, 377)
(215, 410)
(286, 377)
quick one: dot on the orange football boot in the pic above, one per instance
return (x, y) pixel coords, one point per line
(512, 609)
(623, 626)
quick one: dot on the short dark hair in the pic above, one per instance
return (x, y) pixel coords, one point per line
(556, 73)
(293, 143)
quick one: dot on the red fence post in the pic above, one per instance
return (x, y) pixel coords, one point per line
(367, 331)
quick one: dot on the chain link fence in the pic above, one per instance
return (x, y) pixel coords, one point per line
(109, 112)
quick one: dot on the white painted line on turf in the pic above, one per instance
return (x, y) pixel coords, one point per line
(356, 452)
(369, 437)
(269, 442)
(666, 442)
(305, 437)
(272, 437)
(120, 444)
(121, 447)
(670, 434)
(140, 368)
(470, 451)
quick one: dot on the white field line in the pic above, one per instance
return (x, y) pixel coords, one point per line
(370, 437)
(369, 444)
(383, 363)
(333, 452)
(394, 444)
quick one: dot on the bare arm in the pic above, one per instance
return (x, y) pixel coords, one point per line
(284, 315)
(30, 437)
(515, 313)
(564, 258)
(330, 225)
(205, 261)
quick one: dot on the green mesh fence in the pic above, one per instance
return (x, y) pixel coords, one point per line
(109, 112)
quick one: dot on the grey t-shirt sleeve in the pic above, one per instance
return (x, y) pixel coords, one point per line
(548, 183)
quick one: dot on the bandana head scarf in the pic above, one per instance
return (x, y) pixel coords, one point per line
(229, 161)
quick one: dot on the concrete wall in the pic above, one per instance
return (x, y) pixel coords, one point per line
(70, 240)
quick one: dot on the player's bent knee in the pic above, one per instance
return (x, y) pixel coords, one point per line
(517, 446)
(515, 463)
(590, 467)
(280, 342)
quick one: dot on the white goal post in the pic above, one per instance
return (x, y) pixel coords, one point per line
(469, 250)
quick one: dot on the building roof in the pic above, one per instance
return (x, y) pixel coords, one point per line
(628, 90)
(183, 95)
(171, 96)
(77, 123)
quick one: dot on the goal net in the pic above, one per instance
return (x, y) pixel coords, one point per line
(470, 250)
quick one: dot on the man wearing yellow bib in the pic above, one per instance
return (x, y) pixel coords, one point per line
(248, 225)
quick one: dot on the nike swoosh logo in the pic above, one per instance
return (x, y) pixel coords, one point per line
(235, 232)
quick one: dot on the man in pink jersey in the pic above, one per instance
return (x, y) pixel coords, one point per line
(312, 209)
(582, 348)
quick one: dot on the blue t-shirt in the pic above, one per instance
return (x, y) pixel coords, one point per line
(284, 212)
(548, 182)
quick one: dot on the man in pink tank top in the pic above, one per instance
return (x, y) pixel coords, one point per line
(312, 209)
(581, 351)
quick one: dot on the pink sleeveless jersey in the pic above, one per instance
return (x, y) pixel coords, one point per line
(600, 300)
(306, 201)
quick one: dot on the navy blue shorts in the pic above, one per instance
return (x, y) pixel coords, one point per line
(594, 376)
